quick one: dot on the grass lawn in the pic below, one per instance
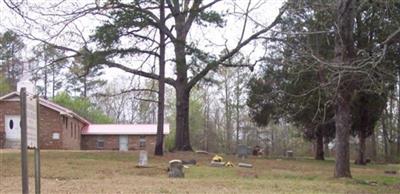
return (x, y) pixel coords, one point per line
(115, 172)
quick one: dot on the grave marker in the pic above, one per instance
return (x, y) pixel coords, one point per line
(242, 151)
(175, 169)
(143, 160)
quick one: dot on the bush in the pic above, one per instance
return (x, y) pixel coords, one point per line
(83, 107)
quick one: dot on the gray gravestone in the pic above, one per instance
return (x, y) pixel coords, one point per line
(245, 165)
(289, 153)
(217, 164)
(175, 169)
(242, 151)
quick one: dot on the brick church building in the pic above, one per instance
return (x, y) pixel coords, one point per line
(61, 128)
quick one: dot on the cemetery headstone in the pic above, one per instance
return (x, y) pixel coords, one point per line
(245, 165)
(217, 164)
(289, 153)
(175, 169)
(143, 160)
(242, 151)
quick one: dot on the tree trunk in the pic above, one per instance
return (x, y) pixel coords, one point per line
(390, 127)
(326, 147)
(206, 118)
(398, 113)
(237, 108)
(385, 138)
(182, 139)
(361, 149)
(344, 54)
(398, 138)
(159, 151)
(342, 145)
(45, 74)
(228, 113)
(272, 141)
(45, 82)
(85, 86)
(373, 146)
(53, 81)
(319, 146)
(237, 125)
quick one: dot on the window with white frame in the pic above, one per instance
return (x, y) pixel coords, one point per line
(56, 136)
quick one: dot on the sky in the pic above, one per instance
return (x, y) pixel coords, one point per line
(211, 39)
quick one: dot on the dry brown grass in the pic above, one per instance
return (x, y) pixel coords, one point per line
(115, 172)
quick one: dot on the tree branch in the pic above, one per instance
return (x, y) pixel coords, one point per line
(127, 51)
(231, 53)
(126, 91)
(392, 37)
(169, 81)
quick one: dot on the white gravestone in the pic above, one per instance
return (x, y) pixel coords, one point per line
(143, 160)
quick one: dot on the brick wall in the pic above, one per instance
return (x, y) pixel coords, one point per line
(71, 132)
(89, 142)
(133, 142)
(2, 139)
(111, 142)
(50, 122)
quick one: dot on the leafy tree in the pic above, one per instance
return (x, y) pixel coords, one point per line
(367, 108)
(4, 87)
(290, 95)
(369, 102)
(83, 78)
(373, 58)
(11, 65)
(306, 59)
(261, 101)
(83, 107)
(305, 100)
(49, 63)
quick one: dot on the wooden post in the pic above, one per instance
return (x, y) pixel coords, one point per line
(37, 150)
(24, 147)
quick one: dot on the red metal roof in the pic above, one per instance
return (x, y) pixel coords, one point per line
(123, 129)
